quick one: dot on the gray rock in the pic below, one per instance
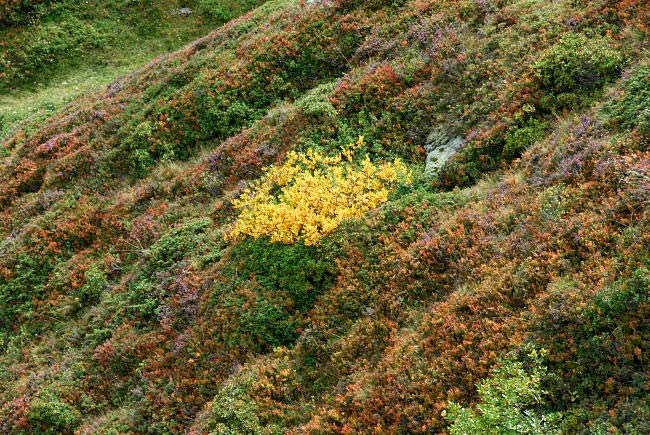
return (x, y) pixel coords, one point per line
(184, 11)
(319, 2)
(440, 147)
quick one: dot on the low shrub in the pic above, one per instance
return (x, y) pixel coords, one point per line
(53, 416)
(595, 346)
(511, 403)
(45, 46)
(571, 70)
(13, 12)
(519, 138)
(631, 109)
(311, 194)
(298, 269)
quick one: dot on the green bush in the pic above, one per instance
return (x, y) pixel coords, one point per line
(317, 103)
(572, 69)
(45, 46)
(20, 11)
(517, 139)
(19, 292)
(272, 287)
(595, 342)
(52, 416)
(174, 245)
(511, 403)
(95, 282)
(631, 110)
(145, 292)
(234, 412)
(297, 269)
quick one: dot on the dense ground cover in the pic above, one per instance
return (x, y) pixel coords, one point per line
(54, 50)
(516, 277)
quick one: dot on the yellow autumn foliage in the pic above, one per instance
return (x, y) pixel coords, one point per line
(312, 193)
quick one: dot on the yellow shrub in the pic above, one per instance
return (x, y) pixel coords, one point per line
(311, 194)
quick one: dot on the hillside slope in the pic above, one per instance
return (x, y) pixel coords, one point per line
(52, 51)
(520, 266)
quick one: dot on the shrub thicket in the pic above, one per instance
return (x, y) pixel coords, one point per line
(575, 67)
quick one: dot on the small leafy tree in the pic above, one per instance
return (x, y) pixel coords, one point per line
(510, 404)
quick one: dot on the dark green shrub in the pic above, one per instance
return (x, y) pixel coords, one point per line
(632, 109)
(18, 293)
(272, 287)
(517, 139)
(300, 271)
(175, 245)
(597, 351)
(45, 46)
(147, 290)
(261, 321)
(20, 11)
(95, 282)
(572, 69)
(52, 416)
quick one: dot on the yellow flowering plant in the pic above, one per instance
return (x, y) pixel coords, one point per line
(312, 193)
